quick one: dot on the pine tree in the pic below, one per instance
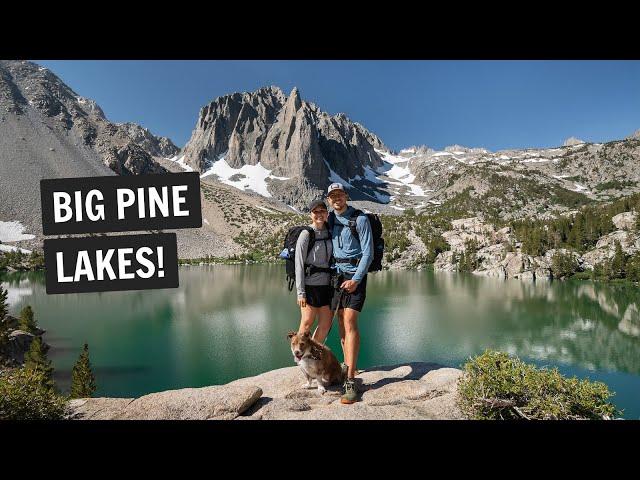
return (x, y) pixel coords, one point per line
(36, 359)
(27, 322)
(83, 383)
(4, 309)
(4, 303)
(618, 262)
(633, 268)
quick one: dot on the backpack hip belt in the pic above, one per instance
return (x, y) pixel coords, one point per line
(311, 269)
(352, 261)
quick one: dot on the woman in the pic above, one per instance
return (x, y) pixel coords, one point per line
(313, 287)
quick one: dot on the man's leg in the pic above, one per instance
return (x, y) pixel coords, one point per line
(351, 340)
(342, 333)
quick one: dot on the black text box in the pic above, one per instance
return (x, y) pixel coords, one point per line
(67, 270)
(173, 199)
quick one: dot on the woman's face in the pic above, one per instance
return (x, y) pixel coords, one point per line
(319, 215)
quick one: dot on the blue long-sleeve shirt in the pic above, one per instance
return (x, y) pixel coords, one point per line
(345, 245)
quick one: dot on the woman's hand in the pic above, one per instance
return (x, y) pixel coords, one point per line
(302, 302)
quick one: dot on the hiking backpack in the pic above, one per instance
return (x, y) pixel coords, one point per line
(376, 235)
(288, 253)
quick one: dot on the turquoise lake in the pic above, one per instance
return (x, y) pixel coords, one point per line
(230, 321)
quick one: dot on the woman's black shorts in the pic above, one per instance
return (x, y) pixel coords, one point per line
(318, 296)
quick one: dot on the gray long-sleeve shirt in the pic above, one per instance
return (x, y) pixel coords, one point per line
(319, 255)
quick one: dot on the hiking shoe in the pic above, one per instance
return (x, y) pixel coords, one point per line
(350, 394)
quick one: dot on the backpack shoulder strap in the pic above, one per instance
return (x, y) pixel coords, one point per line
(352, 222)
(312, 239)
(331, 221)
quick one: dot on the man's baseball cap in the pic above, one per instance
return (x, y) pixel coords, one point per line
(316, 204)
(334, 186)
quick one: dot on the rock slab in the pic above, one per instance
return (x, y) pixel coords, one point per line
(412, 391)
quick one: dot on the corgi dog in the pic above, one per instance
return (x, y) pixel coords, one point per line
(315, 360)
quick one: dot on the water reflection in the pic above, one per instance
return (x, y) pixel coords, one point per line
(594, 326)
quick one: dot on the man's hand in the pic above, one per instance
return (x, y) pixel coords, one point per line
(349, 285)
(302, 302)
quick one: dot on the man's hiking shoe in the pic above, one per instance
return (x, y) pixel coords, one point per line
(350, 394)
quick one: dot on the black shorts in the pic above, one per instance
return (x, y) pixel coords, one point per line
(353, 300)
(318, 296)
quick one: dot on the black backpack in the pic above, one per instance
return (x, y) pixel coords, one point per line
(376, 235)
(289, 253)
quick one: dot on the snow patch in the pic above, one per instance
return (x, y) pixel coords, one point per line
(180, 161)
(11, 248)
(249, 177)
(265, 209)
(397, 168)
(335, 178)
(13, 232)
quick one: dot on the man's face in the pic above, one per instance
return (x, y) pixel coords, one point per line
(338, 199)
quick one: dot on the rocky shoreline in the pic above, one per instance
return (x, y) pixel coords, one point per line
(499, 254)
(410, 391)
(18, 343)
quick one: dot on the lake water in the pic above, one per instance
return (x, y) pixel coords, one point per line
(230, 321)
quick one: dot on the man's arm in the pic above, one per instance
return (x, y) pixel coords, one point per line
(363, 227)
(301, 253)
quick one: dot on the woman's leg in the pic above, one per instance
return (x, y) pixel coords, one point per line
(324, 323)
(308, 315)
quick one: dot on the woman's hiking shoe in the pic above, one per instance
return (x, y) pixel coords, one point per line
(350, 394)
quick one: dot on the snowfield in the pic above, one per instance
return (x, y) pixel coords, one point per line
(397, 168)
(247, 177)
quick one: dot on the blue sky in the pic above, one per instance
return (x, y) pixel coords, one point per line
(490, 104)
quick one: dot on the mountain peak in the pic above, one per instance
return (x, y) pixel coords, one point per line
(634, 136)
(294, 99)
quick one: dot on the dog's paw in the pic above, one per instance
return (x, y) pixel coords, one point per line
(306, 385)
(321, 389)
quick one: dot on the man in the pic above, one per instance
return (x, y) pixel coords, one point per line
(353, 256)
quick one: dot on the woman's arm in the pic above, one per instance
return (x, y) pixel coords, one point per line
(301, 253)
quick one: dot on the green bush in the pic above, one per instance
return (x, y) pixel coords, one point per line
(498, 386)
(563, 265)
(23, 396)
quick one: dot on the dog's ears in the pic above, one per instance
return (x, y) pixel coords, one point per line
(291, 334)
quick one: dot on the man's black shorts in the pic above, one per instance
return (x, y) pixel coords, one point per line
(318, 296)
(353, 300)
